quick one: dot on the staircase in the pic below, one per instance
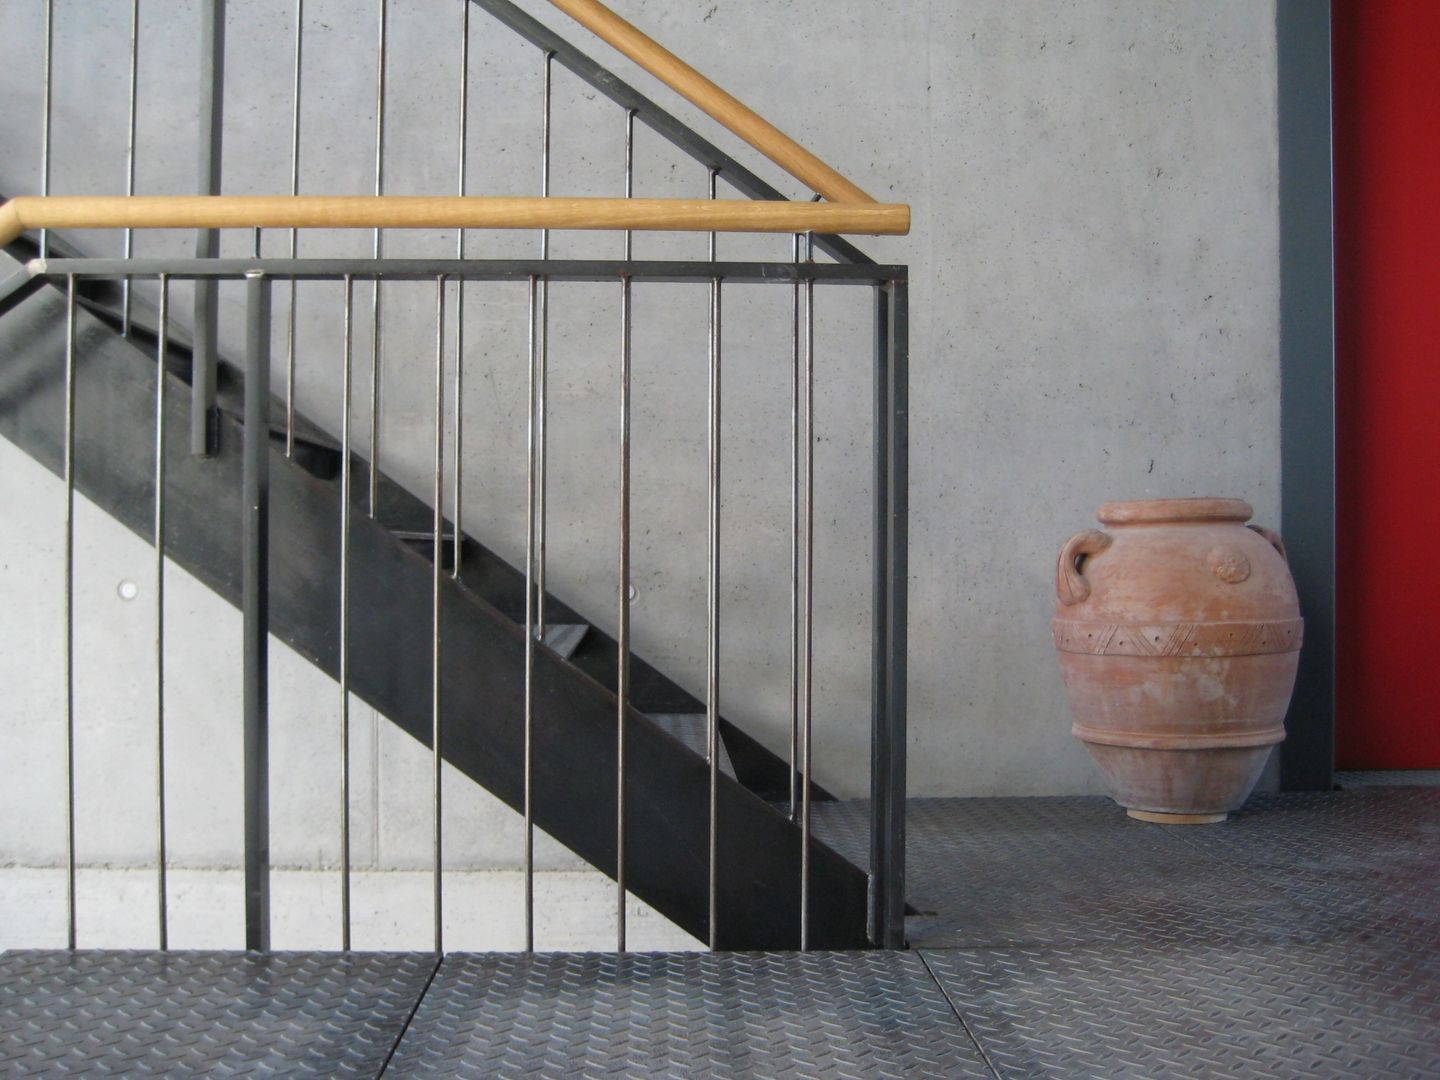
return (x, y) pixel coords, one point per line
(437, 633)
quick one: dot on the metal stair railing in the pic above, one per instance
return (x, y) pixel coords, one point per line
(856, 214)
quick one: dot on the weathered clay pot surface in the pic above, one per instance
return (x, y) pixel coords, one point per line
(1178, 633)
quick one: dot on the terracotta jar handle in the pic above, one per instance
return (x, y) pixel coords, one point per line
(1070, 584)
(1274, 538)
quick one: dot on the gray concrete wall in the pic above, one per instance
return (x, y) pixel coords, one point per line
(1094, 297)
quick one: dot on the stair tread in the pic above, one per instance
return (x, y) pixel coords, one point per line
(426, 536)
(565, 638)
(692, 730)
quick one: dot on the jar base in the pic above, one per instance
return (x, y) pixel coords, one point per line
(1176, 819)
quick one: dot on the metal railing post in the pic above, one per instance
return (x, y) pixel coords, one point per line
(70, 361)
(132, 95)
(162, 346)
(528, 780)
(807, 608)
(255, 607)
(712, 590)
(797, 240)
(888, 652)
(346, 501)
(437, 570)
(622, 631)
(299, 29)
(880, 609)
(46, 113)
(378, 242)
(462, 141)
(210, 114)
(542, 469)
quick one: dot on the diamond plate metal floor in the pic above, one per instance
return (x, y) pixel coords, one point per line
(1364, 1009)
(1003, 872)
(205, 1014)
(1389, 778)
(1300, 938)
(687, 1014)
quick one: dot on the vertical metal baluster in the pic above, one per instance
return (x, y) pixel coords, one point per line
(629, 176)
(45, 111)
(622, 681)
(294, 233)
(530, 625)
(70, 610)
(374, 478)
(436, 573)
(255, 595)
(345, 497)
(622, 635)
(161, 351)
(456, 515)
(712, 678)
(544, 350)
(204, 426)
(129, 241)
(807, 618)
(795, 535)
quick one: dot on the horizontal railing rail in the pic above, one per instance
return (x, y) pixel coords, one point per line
(444, 212)
(422, 269)
(720, 106)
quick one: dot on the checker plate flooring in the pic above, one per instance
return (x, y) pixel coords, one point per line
(1244, 1011)
(204, 1013)
(1059, 939)
(665, 1015)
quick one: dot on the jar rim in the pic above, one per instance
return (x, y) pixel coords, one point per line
(1155, 511)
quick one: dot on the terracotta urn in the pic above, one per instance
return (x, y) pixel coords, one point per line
(1178, 633)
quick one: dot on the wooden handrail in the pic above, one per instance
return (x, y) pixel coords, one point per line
(444, 212)
(705, 95)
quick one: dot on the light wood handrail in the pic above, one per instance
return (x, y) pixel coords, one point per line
(705, 95)
(444, 212)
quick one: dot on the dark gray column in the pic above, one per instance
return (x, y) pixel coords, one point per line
(255, 608)
(1307, 378)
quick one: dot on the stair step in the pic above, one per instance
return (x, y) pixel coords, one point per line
(565, 638)
(423, 541)
(692, 730)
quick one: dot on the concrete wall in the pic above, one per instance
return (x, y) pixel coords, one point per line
(1094, 298)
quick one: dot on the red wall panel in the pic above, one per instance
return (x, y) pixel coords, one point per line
(1387, 276)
